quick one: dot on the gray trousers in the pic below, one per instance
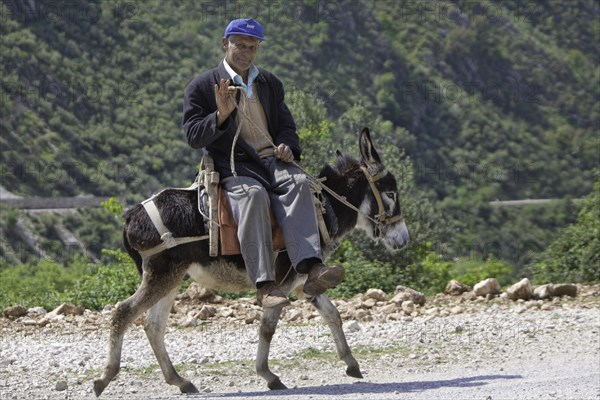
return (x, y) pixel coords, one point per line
(291, 202)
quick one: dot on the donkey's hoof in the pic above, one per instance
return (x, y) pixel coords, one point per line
(354, 371)
(276, 385)
(188, 388)
(99, 387)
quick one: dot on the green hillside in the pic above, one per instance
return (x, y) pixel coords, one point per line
(478, 101)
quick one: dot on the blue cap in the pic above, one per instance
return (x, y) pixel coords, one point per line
(245, 26)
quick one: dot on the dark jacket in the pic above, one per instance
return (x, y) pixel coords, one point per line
(200, 123)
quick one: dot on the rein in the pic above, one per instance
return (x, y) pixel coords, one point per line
(380, 219)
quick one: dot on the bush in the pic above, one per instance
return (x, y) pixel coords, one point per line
(39, 284)
(575, 255)
(49, 283)
(106, 283)
(361, 274)
(432, 272)
(471, 272)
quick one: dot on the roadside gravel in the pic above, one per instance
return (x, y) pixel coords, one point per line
(495, 349)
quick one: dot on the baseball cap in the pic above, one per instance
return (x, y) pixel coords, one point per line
(245, 26)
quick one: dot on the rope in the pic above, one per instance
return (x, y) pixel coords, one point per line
(237, 135)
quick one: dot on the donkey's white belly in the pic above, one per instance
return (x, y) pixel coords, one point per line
(220, 275)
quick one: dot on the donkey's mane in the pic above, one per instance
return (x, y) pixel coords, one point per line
(346, 164)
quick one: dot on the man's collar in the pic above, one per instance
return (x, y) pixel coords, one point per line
(252, 75)
(252, 72)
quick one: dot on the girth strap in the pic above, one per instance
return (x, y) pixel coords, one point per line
(168, 241)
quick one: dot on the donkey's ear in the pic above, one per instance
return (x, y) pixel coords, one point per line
(368, 152)
(338, 154)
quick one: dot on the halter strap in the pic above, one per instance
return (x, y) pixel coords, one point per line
(381, 216)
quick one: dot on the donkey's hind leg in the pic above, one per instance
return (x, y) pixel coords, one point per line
(331, 315)
(155, 324)
(268, 324)
(151, 290)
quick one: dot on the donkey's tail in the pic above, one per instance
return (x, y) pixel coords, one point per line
(135, 256)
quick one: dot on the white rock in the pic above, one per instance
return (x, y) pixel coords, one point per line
(206, 312)
(408, 306)
(488, 286)
(251, 317)
(432, 311)
(68, 309)
(294, 315)
(457, 310)
(197, 292)
(542, 292)
(389, 308)
(351, 326)
(6, 362)
(520, 290)
(29, 322)
(404, 293)
(456, 288)
(377, 294)
(189, 322)
(369, 303)
(37, 311)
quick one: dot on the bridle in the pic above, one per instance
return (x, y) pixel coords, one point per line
(381, 218)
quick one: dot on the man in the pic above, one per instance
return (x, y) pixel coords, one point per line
(239, 104)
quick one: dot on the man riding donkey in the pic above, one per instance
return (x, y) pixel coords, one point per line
(240, 106)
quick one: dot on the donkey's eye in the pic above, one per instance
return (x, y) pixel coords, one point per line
(390, 195)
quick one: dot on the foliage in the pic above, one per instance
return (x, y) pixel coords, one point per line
(433, 271)
(471, 272)
(429, 273)
(113, 206)
(361, 274)
(575, 254)
(107, 284)
(49, 283)
(41, 284)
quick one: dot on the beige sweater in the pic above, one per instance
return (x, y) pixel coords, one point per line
(254, 133)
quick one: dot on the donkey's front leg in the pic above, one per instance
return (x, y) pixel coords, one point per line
(154, 325)
(268, 324)
(331, 315)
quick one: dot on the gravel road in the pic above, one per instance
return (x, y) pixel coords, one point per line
(495, 349)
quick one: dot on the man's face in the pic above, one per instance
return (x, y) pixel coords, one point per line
(240, 52)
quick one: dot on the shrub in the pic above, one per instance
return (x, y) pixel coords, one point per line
(106, 283)
(40, 284)
(49, 283)
(575, 255)
(361, 274)
(471, 272)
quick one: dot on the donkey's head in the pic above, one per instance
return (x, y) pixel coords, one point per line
(381, 215)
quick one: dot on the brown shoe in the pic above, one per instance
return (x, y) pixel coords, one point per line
(269, 295)
(321, 277)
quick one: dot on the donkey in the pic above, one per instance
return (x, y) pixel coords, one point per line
(374, 206)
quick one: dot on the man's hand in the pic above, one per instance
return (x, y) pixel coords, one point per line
(284, 153)
(225, 98)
